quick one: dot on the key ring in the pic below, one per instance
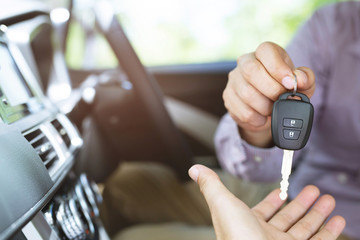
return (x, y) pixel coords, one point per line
(295, 85)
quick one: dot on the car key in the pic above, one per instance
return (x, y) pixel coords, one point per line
(291, 123)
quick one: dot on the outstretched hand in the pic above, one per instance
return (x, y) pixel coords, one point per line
(232, 219)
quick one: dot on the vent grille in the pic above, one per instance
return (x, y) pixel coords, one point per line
(62, 131)
(43, 147)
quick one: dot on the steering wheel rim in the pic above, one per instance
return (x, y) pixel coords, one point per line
(146, 87)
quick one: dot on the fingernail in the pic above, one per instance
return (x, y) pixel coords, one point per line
(194, 173)
(288, 82)
(301, 75)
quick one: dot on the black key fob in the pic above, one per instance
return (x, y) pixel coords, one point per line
(291, 121)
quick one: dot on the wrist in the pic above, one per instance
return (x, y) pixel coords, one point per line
(262, 139)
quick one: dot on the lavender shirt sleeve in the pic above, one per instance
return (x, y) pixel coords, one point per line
(264, 164)
(242, 159)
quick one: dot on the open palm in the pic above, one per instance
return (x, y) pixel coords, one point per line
(300, 219)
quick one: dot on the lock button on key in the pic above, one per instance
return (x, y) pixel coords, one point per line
(291, 134)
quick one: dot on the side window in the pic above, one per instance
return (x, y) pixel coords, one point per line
(165, 32)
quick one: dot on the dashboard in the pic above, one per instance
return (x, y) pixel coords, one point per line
(41, 196)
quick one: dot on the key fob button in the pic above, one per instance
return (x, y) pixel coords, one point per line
(293, 123)
(291, 134)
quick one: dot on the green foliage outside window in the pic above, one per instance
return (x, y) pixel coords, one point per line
(175, 33)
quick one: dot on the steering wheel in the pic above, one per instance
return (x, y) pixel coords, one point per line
(146, 87)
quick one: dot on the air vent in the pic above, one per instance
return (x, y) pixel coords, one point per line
(42, 147)
(62, 131)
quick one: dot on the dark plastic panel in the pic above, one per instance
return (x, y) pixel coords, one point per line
(23, 178)
(298, 110)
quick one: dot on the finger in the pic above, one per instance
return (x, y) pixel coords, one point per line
(269, 206)
(305, 79)
(332, 229)
(279, 65)
(306, 84)
(291, 213)
(241, 112)
(255, 74)
(253, 98)
(313, 220)
(275, 59)
(209, 183)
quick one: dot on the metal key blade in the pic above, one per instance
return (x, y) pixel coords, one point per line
(285, 172)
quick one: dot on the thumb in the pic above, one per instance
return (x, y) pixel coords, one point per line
(209, 182)
(231, 217)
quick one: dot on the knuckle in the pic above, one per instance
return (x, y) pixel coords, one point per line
(203, 183)
(265, 46)
(231, 74)
(306, 225)
(233, 77)
(225, 94)
(233, 116)
(246, 115)
(206, 183)
(249, 67)
(227, 105)
(225, 97)
(306, 228)
(275, 91)
(286, 219)
(245, 92)
(258, 213)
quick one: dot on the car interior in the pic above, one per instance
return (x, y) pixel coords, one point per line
(64, 131)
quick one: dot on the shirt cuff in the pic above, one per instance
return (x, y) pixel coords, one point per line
(261, 164)
(242, 159)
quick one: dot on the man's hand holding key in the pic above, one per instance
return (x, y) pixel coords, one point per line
(254, 85)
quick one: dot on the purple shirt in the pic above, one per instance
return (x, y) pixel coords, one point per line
(328, 43)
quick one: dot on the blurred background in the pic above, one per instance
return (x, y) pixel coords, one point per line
(165, 32)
